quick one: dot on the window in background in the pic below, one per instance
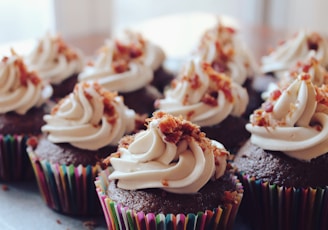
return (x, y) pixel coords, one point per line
(23, 20)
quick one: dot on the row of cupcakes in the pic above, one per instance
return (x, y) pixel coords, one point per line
(66, 180)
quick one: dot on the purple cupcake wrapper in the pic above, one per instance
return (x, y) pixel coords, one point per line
(14, 162)
(278, 207)
(67, 189)
(120, 217)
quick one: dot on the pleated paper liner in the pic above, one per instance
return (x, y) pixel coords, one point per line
(269, 206)
(119, 217)
(67, 189)
(14, 162)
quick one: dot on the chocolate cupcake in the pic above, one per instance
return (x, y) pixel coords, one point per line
(23, 103)
(169, 176)
(56, 63)
(211, 100)
(82, 129)
(128, 66)
(294, 49)
(222, 47)
(283, 163)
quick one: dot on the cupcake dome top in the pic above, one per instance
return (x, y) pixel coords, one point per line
(293, 120)
(203, 96)
(20, 88)
(172, 154)
(89, 118)
(54, 60)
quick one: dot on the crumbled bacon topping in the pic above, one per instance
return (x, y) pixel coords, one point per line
(165, 183)
(313, 41)
(322, 94)
(65, 50)
(25, 75)
(210, 99)
(220, 81)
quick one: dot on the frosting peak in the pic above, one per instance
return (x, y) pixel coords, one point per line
(203, 96)
(221, 47)
(295, 49)
(54, 60)
(294, 120)
(171, 154)
(20, 89)
(89, 118)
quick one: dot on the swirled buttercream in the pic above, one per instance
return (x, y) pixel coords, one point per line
(20, 89)
(227, 54)
(89, 118)
(293, 121)
(312, 66)
(296, 49)
(114, 70)
(172, 154)
(53, 60)
(203, 96)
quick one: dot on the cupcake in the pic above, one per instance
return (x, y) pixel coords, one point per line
(222, 47)
(211, 100)
(294, 49)
(127, 66)
(56, 63)
(282, 166)
(82, 129)
(169, 176)
(23, 97)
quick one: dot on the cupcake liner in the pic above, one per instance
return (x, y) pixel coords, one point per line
(278, 207)
(120, 217)
(67, 189)
(14, 162)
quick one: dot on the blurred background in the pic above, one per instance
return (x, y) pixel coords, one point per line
(26, 20)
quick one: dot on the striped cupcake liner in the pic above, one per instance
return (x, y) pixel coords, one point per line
(67, 189)
(120, 217)
(277, 207)
(14, 162)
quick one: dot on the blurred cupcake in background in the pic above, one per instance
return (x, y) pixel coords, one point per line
(169, 176)
(82, 129)
(211, 100)
(294, 49)
(223, 48)
(56, 63)
(128, 65)
(23, 103)
(282, 166)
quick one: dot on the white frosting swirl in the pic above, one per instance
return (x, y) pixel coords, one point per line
(89, 118)
(222, 48)
(135, 76)
(197, 82)
(54, 60)
(20, 90)
(296, 49)
(318, 75)
(152, 162)
(293, 125)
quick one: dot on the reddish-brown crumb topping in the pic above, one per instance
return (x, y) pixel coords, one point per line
(322, 94)
(65, 50)
(174, 129)
(314, 39)
(32, 141)
(220, 81)
(25, 75)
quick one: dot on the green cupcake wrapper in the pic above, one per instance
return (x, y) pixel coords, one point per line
(269, 206)
(67, 189)
(14, 162)
(120, 217)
